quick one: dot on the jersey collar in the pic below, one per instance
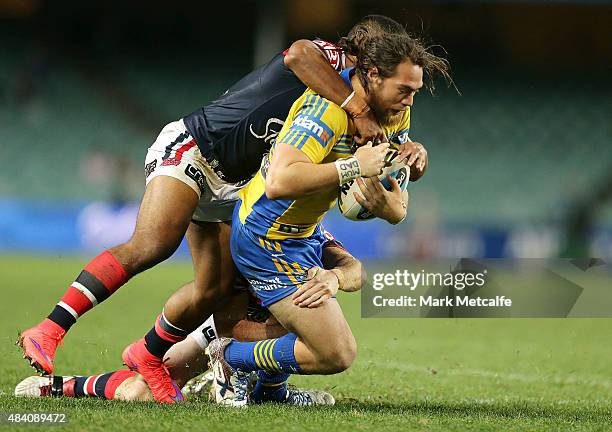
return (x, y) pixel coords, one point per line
(346, 75)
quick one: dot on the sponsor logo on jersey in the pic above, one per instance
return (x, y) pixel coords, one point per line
(196, 175)
(171, 162)
(150, 167)
(315, 127)
(267, 284)
(400, 138)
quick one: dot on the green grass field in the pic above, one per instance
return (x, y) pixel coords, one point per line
(411, 374)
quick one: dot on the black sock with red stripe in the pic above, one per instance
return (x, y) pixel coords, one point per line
(162, 336)
(99, 280)
(101, 386)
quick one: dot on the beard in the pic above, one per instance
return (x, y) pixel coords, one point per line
(386, 117)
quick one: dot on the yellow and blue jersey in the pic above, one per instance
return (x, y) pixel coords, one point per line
(322, 130)
(275, 242)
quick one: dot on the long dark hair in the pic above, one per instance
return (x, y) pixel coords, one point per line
(380, 42)
(367, 27)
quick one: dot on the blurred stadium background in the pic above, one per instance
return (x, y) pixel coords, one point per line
(520, 162)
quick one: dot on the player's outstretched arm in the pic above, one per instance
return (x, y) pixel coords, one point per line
(309, 64)
(293, 175)
(342, 272)
(350, 272)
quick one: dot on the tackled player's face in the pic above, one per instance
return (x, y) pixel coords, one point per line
(389, 97)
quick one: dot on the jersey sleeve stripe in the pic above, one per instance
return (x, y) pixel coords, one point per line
(306, 105)
(292, 138)
(303, 141)
(316, 103)
(322, 109)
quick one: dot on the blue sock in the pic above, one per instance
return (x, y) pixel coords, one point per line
(270, 387)
(275, 355)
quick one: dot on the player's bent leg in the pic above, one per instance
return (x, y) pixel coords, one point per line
(326, 346)
(104, 386)
(214, 276)
(214, 273)
(187, 359)
(164, 215)
(160, 227)
(325, 343)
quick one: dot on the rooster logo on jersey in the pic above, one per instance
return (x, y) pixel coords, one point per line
(270, 134)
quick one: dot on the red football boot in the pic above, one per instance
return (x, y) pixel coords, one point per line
(139, 359)
(39, 344)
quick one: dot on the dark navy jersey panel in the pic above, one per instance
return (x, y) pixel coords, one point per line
(234, 131)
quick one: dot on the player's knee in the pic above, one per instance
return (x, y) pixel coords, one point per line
(141, 254)
(341, 355)
(339, 362)
(211, 291)
(155, 251)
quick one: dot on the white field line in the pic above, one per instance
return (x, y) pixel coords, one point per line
(520, 377)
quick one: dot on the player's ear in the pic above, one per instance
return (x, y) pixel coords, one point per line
(374, 76)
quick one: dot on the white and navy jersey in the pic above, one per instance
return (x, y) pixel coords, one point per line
(234, 131)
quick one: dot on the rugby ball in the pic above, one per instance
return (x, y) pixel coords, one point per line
(348, 205)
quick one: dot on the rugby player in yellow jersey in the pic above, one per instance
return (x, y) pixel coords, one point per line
(276, 237)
